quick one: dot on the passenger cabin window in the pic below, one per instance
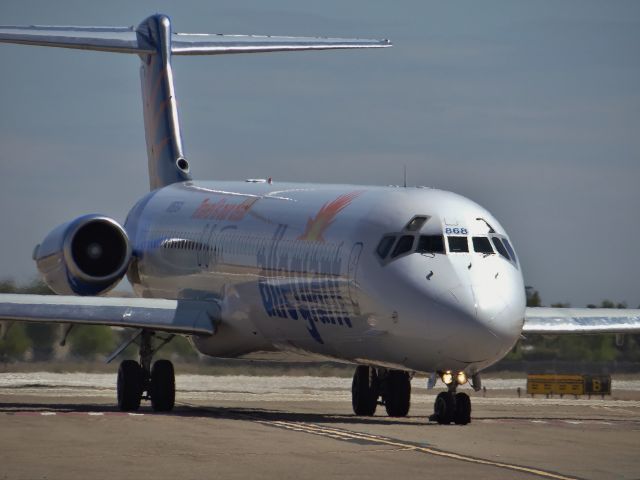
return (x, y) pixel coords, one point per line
(482, 245)
(416, 223)
(500, 247)
(403, 246)
(458, 244)
(430, 244)
(384, 246)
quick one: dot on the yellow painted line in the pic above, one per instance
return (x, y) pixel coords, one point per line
(343, 434)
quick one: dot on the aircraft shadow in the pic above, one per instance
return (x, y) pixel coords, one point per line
(227, 413)
(272, 415)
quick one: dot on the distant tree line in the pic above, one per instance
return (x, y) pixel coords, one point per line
(38, 342)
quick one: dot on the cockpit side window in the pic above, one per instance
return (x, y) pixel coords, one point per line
(430, 244)
(500, 247)
(403, 246)
(482, 245)
(458, 244)
(385, 246)
(509, 248)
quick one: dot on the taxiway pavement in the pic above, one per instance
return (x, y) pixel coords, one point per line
(300, 427)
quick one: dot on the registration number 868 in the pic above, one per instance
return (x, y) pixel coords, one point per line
(456, 231)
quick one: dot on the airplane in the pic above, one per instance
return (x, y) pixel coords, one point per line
(395, 280)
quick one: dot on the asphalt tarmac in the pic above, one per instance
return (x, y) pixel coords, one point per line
(268, 428)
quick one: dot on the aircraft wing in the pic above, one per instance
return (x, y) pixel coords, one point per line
(187, 317)
(581, 320)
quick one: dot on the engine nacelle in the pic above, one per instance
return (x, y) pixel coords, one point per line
(87, 256)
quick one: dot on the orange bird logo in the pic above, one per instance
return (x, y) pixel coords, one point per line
(317, 225)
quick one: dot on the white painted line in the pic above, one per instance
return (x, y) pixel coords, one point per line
(96, 414)
(45, 414)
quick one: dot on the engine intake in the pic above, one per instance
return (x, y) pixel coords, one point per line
(87, 256)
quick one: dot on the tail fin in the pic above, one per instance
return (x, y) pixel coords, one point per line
(154, 42)
(167, 164)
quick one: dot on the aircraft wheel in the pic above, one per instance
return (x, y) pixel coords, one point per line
(462, 415)
(444, 408)
(163, 386)
(129, 386)
(364, 391)
(398, 393)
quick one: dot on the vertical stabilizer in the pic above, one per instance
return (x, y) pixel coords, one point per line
(154, 42)
(167, 164)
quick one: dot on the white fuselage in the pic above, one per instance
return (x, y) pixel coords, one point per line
(303, 267)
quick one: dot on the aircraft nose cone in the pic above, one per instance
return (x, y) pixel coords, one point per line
(501, 313)
(491, 309)
(488, 323)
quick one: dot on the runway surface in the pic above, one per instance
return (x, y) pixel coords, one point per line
(66, 426)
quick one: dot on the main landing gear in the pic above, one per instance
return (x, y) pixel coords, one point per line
(393, 387)
(141, 380)
(451, 406)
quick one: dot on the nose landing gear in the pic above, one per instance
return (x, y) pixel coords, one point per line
(451, 406)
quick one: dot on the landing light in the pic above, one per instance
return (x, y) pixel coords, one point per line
(447, 377)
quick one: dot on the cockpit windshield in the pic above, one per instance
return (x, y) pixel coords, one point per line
(430, 244)
(409, 240)
(458, 244)
(482, 245)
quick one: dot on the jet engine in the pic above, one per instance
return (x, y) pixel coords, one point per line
(87, 256)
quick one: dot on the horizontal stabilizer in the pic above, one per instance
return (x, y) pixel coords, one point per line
(206, 44)
(105, 39)
(128, 40)
(581, 320)
(187, 317)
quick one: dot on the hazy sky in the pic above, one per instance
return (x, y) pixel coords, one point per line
(532, 109)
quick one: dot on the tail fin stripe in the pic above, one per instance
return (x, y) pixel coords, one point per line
(158, 147)
(157, 118)
(156, 87)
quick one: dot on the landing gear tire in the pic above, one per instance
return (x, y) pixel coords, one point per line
(397, 399)
(462, 414)
(130, 385)
(163, 386)
(364, 391)
(444, 408)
